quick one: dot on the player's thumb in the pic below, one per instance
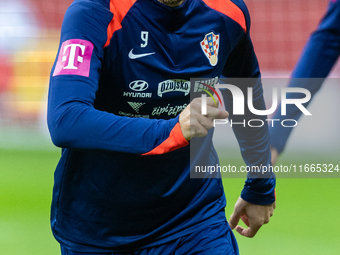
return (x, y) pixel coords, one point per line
(223, 114)
(234, 219)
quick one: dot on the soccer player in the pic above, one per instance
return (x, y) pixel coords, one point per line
(119, 108)
(316, 61)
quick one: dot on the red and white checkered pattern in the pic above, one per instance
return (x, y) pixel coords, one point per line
(205, 46)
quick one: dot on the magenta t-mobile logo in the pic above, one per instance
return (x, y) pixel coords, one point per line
(74, 58)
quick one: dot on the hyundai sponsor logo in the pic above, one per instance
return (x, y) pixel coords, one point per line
(139, 85)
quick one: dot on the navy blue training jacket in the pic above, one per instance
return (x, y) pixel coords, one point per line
(118, 85)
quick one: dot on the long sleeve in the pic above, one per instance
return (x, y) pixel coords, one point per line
(254, 141)
(72, 118)
(315, 63)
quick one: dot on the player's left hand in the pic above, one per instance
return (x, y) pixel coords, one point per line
(254, 216)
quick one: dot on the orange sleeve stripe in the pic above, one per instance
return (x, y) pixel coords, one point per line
(175, 141)
(230, 9)
(119, 8)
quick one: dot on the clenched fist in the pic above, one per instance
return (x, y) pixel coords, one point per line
(194, 124)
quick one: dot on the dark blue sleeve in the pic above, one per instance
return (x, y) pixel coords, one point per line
(254, 142)
(315, 63)
(72, 119)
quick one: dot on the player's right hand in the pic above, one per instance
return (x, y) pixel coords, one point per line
(194, 124)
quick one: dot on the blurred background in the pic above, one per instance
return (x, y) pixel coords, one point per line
(306, 219)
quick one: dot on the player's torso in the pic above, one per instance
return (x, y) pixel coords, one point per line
(150, 60)
(146, 72)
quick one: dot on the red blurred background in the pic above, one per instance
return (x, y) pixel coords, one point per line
(279, 31)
